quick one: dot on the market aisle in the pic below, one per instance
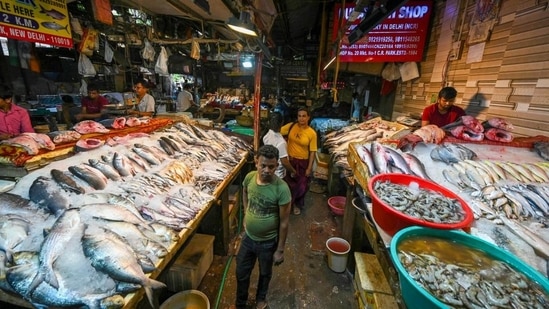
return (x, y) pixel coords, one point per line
(304, 280)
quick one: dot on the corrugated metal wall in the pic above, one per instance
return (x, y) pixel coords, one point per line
(512, 78)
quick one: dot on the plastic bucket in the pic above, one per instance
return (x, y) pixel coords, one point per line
(190, 299)
(338, 250)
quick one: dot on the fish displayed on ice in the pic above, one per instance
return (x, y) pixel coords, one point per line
(542, 149)
(45, 191)
(90, 126)
(133, 122)
(13, 230)
(498, 123)
(109, 253)
(498, 135)
(89, 174)
(66, 182)
(114, 123)
(452, 153)
(465, 133)
(86, 144)
(67, 226)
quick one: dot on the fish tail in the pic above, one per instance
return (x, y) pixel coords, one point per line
(149, 285)
(42, 9)
(67, 29)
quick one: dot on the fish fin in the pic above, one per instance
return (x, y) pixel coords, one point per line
(39, 278)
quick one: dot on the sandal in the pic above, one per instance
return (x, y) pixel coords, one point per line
(262, 305)
(297, 211)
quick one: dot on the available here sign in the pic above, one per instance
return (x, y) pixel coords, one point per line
(39, 21)
(399, 38)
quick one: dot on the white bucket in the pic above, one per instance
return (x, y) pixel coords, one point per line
(186, 300)
(338, 250)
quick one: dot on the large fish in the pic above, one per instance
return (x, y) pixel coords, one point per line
(44, 191)
(380, 157)
(67, 226)
(498, 123)
(67, 295)
(498, 135)
(112, 255)
(91, 175)
(90, 126)
(416, 166)
(15, 204)
(13, 230)
(469, 122)
(366, 156)
(66, 182)
(396, 160)
(465, 133)
(542, 149)
(122, 165)
(107, 170)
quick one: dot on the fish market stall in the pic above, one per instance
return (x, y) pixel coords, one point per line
(504, 184)
(116, 214)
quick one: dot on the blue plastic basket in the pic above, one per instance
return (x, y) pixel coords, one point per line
(416, 297)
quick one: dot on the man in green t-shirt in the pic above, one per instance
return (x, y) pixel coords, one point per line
(266, 199)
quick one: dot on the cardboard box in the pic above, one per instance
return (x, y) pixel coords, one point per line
(191, 265)
(371, 285)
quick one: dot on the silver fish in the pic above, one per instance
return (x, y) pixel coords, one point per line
(366, 156)
(148, 156)
(13, 230)
(113, 213)
(44, 191)
(54, 26)
(380, 158)
(14, 204)
(121, 164)
(397, 160)
(66, 182)
(67, 226)
(107, 170)
(91, 175)
(112, 255)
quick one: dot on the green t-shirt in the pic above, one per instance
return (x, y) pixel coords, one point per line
(262, 212)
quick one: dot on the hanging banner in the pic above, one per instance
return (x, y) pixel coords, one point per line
(398, 38)
(38, 21)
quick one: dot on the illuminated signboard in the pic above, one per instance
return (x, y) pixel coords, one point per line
(39, 21)
(399, 38)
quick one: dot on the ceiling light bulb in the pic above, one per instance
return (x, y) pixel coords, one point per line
(247, 64)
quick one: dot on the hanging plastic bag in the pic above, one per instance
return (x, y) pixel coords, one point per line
(83, 88)
(195, 50)
(109, 53)
(85, 66)
(148, 51)
(89, 42)
(161, 66)
(391, 72)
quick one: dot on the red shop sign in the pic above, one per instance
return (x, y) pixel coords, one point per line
(399, 38)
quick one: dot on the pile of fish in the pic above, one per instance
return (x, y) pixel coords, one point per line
(382, 159)
(470, 129)
(111, 218)
(452, 153)
(542, 149)
(420, 203)
(430, 134)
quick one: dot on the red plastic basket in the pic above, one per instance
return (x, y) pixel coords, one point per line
(337, 205)
(392, 220)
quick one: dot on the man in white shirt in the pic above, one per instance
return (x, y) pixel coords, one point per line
(274, 138)
(185, 101)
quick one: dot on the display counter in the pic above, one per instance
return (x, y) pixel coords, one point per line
(212, 218)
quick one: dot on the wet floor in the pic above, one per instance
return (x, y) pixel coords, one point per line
(304, 280)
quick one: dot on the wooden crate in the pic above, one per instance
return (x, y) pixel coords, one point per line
(191, 265)
(372, 288)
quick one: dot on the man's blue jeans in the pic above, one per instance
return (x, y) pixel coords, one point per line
(249, 252)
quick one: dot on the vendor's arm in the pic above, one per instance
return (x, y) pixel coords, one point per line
(284, 214)
(84, 115)
(424, 122)
(4, 136)
(312, 155)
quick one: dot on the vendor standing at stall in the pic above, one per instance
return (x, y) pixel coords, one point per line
(444, 111)
(92, 105)
(185, 101)
(14, 119)
(145, 101)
